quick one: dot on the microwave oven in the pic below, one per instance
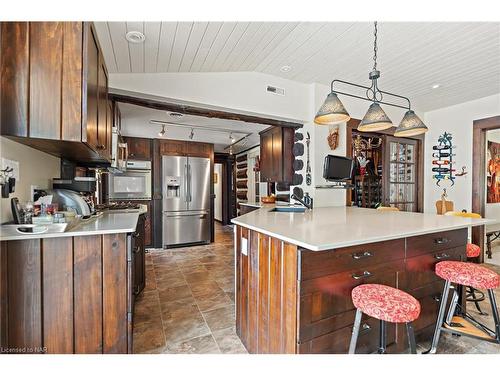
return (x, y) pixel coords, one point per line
(132, 184)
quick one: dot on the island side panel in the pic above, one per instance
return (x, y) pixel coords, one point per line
(266, 293)
(3, 294)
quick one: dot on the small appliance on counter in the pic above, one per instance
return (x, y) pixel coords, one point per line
(69, 200)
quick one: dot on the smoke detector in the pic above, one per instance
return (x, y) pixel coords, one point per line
(135, 37)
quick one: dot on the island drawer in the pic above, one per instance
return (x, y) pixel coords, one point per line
(429, 297)
(320, 263)
(420, 270)
(323, 300)
(337, 342)
(430, 243)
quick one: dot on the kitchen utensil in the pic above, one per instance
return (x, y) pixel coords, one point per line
(297, 191)
(297, 179)
(308, 164)
(16, 210)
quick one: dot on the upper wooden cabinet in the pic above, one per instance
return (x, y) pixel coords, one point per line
(276, 156)
(138, 148)
(186, 148)
(55, 88)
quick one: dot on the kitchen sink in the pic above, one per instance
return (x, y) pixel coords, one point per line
(289, 209)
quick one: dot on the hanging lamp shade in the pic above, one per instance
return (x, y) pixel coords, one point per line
(332, 111)
(375, 119)
(410, 125)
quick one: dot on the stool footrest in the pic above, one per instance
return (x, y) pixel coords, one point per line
(462, 326)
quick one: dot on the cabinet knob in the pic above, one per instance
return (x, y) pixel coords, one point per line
(101, 147)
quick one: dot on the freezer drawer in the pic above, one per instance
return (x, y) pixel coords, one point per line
(180, 228)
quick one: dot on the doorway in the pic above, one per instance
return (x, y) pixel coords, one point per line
(486, 137)
(224, 188)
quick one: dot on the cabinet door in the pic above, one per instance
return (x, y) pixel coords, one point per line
(139, 257)
(138, 148)
(102, 108)
(277, 155)
(92, 89)
(401, 164)
(46, 47)
(266, 155)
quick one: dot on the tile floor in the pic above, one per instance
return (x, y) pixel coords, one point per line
(188, 304)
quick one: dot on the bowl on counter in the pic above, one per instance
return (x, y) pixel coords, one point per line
(268, 199)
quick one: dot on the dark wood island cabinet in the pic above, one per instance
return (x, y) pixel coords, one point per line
(290, 299)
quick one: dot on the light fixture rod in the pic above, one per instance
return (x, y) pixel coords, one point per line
(208, 128)
(238, 141)
(369, 99)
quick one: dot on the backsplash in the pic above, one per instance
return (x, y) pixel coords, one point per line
(35, 168)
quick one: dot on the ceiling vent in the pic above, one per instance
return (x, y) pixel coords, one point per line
(175, 115)
(275, 90)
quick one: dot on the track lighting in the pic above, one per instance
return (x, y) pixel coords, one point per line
(191, 135)
(162, 131)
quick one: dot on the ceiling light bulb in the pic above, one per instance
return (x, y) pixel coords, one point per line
(162, 131)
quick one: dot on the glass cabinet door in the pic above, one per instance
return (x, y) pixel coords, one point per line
(401, 181)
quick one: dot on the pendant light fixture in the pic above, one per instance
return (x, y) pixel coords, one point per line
(333, 111)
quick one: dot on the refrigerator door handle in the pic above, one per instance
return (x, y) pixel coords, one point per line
(189, 179)
(186, 183)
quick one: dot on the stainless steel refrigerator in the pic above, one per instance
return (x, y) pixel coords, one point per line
(186, 200)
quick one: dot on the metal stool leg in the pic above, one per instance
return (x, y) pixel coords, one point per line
(494, 310)
(382, 346)
(453, 307)
(355, 332)
(411, 338)
(440, 318)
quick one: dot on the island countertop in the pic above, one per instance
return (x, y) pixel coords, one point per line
(109, 223)
(326, 228)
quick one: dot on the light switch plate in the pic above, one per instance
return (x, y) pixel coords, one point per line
(244, 246)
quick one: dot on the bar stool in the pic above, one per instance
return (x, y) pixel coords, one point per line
(472, 251)
(386, 304)
(467, 274)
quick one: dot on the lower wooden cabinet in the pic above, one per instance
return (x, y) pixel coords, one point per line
(66, 295)
(292, 300)
(139, 256)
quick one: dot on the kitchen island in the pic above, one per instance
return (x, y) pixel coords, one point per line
(70, 292)
(295, 273)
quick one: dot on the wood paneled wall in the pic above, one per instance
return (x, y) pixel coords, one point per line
(65, 295)
(266, 286)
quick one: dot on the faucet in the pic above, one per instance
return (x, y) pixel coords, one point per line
(307, 202)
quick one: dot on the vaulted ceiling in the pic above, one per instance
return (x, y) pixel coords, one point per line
(462, 58)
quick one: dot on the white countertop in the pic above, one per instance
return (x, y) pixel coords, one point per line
(326, 228)
(108, 223)
(251, 204)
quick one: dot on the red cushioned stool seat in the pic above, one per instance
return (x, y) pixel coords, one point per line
(469, 274)
(385, 303)
(473, 250)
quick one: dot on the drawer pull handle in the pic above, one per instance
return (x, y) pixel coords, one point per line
(441, 256)
(137, 250)
(361, 255)
(365, 328)
(441, 241)
(437, 297)
(364, 275)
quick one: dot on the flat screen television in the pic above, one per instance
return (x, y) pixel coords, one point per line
(337, 168)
